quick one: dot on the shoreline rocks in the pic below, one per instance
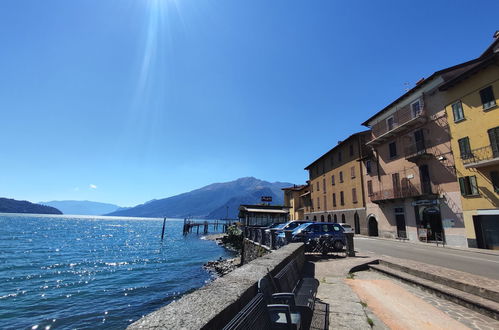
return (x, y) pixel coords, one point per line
(221, 266)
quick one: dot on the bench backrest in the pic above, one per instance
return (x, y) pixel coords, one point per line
(253, 316)
(288, 277)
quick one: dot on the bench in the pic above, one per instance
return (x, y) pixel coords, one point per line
(288, 287)
(258, 315)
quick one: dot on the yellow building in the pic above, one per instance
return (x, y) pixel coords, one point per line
(336, 184)
(297, 199)
(473, 115)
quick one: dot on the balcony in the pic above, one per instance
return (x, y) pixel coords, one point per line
(404, 191)
(481, 157)
(403, 119)
(418, 150)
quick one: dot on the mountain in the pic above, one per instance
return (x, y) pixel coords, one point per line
(210, 201)
(14, 206)
(83, 207)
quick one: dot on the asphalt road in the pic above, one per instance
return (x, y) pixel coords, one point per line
(467, 261)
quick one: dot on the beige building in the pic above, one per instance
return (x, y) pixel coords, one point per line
(336, 184)
(297, 199)
(473, 112)
(411, 187)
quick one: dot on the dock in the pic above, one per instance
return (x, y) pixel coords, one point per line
(191, 225)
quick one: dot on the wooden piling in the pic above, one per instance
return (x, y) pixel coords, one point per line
(163, 231)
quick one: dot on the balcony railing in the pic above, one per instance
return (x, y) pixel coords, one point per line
(484, 156)
(417, 150)
(403, 118)
(404, 191)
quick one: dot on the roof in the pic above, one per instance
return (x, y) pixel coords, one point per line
(337, 146)
(494, 46)
(480, 65)
(295, 187)
(447, 73)
(265, 211)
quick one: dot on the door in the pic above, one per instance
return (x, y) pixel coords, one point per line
(419, 140)
(356, 222)
(400, 220)
(424, 174)
(373, 227)
(494, 141)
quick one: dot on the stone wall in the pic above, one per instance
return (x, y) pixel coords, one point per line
(252, 250)
(214, 305)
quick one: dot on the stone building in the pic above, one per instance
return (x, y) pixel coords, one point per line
(297, 199)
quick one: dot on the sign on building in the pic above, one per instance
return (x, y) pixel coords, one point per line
(266, 199)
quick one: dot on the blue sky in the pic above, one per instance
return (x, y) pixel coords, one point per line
(124, 101)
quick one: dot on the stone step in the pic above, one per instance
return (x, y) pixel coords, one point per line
(469, 283)
(479, 304)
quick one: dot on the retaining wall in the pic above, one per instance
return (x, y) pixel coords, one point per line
(214, 305)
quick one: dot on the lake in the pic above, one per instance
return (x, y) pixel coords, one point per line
(67, 272)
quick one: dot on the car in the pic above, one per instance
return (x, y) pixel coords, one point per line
(292, 225)
(347, 228)
(315, 231)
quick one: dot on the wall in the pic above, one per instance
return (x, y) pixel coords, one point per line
(252, 250)
(214, 305)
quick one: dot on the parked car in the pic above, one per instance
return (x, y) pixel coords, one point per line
(347, 228)
(316, 230)
(292, 225)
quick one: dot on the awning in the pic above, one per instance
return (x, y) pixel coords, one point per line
(265, 211)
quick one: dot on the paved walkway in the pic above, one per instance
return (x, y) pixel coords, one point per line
(345, 308)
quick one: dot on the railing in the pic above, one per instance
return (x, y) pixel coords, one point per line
(480, 154)
(406, 191)
(417, 148)
(400, 118)
(261, 235)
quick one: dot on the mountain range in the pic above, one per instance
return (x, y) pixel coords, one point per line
(83, 207)
(217, 200)
(14, 206)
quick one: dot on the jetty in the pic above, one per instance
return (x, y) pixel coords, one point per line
(191, 225)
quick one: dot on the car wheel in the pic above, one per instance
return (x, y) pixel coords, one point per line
(338, 245)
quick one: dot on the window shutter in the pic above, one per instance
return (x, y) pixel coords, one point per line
(494, 177)
(473, 185)
(462, 186)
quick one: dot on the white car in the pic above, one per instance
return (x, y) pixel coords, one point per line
(347, 229)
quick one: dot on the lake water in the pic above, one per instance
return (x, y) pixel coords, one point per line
(67, 272)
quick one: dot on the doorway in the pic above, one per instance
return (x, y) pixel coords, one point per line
(373, 226)
(400, 220)
(433, 222)
(356, 222)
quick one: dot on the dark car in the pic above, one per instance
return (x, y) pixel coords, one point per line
(291, 225)
(331, 234)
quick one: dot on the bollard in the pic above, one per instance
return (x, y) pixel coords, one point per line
(350, 249)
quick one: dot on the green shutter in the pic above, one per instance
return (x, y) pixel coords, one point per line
(462, 186)
(473, 185)
(494, 177)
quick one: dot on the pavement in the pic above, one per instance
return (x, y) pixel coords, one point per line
(369, 300)
(482, 263)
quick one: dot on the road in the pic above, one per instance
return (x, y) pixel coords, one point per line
(467, 261)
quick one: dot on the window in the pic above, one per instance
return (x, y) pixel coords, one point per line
(342, 198)
(488, 99)
(334, 200)
(332, 180)
(341, 176)
(343, 218)
(494, 140)
(354, 195)
(318, 187)
(352, 172)
(457, 111)
(324, 185)
(468, 186)
(339, 156)
(351, 150)
(392, 149)
(368, 167)
(390, 123)
(318, 203)
(325, 202)
(416, 109)
(494, 178)
(464, 148)
(369, 188)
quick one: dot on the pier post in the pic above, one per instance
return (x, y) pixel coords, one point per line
(163, 231)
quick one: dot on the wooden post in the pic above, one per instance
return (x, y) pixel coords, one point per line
(163, 231)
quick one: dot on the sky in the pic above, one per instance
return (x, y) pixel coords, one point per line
(124, 101)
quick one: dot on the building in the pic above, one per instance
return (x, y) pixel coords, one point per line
(473, 113)
(411, 186)
(262, 215)
(336, 184)
(297, 199)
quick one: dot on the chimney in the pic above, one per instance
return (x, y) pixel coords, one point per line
(496, 35)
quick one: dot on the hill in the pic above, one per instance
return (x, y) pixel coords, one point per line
(83, 207)
(14, 206)
(210, 201)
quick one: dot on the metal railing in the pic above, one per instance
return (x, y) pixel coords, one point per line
(404, 191)
(480, 154)
(400, 118)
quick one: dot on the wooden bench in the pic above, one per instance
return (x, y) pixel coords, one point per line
(258, 315)
(288, 287)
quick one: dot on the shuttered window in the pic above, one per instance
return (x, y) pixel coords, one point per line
(457, 111)
(488, 99)
(468, 186)
(464, 148)
(494, 178)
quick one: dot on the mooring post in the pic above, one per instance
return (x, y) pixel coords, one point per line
(163, 231)
(206, 227)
